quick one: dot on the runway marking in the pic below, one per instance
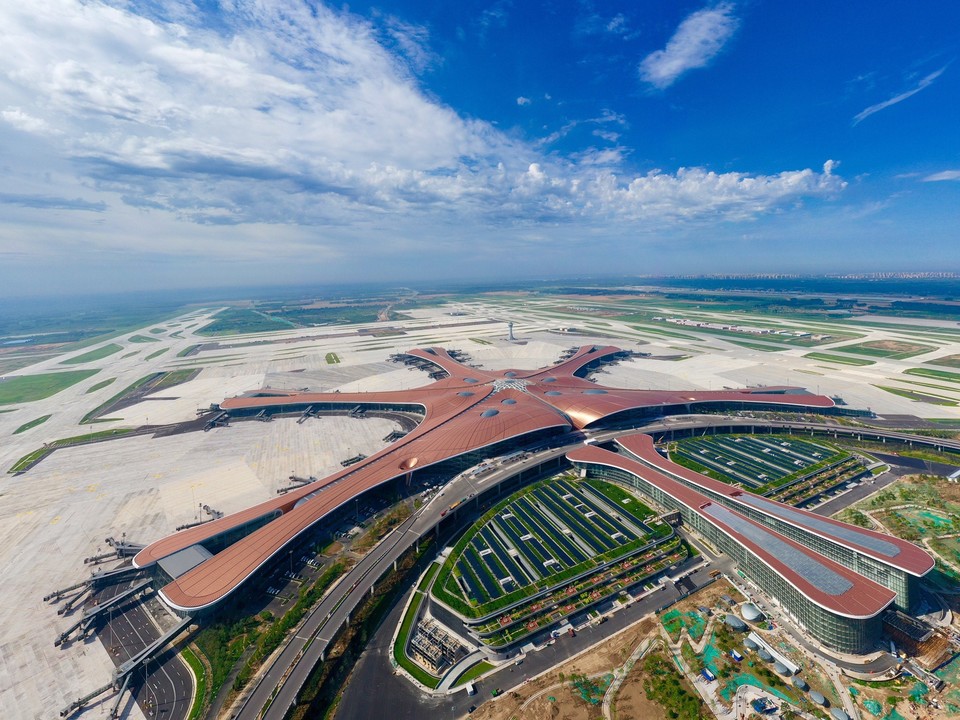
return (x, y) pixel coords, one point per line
(55, 520)
(92, 487)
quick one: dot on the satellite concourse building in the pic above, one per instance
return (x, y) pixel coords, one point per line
(832, 578)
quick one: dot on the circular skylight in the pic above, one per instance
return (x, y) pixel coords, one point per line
(490, 412)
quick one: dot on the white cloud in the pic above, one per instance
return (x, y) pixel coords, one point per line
(522, 101)
(925, 82)
(617, 24)
(22, 121)
(293, 131)
(607, 135)
(695, 43)
(943, 175)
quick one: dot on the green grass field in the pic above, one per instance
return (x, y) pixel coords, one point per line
(239, 321)
(100, 385)
(27, 388)
(156, 354)
(142, 339)
(332, 358)
(406, 627)
(838, 359)
(97, 354)
(918, 396)
(473, 672)
(31, 424)
(937, 374)
(93, 414)
(200, 678)
(757, 346)
(25, 462)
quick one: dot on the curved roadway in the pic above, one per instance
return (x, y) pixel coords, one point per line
(304, 650)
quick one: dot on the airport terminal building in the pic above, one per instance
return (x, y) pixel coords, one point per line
(469, 414)
(832, 579)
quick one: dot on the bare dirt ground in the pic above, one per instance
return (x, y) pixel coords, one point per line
(896, 346)
(869, 699)
(709, 596)
(631, 701)
(946, 360)
(532, 701)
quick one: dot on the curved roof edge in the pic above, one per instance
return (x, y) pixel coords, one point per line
(916, 562)
(592, 455)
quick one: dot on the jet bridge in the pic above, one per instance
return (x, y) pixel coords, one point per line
(91, 614)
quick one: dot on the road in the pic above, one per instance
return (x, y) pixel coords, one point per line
(163, 688)
(375, 685)
(866, 487)
(296, 662)
(332, 612)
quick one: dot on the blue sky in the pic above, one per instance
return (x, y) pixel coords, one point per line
(172, 144)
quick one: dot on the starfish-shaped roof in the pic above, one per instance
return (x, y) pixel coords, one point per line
(469, 410)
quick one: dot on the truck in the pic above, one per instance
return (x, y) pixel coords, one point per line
(707, 675)
(471, 689)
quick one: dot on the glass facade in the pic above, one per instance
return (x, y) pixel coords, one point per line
(845, 634)
(887, 575)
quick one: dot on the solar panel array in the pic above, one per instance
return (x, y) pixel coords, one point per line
(822, 527)
(823, 578)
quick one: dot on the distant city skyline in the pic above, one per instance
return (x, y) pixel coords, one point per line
(152, 145)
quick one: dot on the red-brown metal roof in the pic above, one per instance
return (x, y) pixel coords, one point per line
(908, 557)
(468, 410)
(863, 598)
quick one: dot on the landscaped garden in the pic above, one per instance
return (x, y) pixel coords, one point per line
(552, 550)
(787, 468)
